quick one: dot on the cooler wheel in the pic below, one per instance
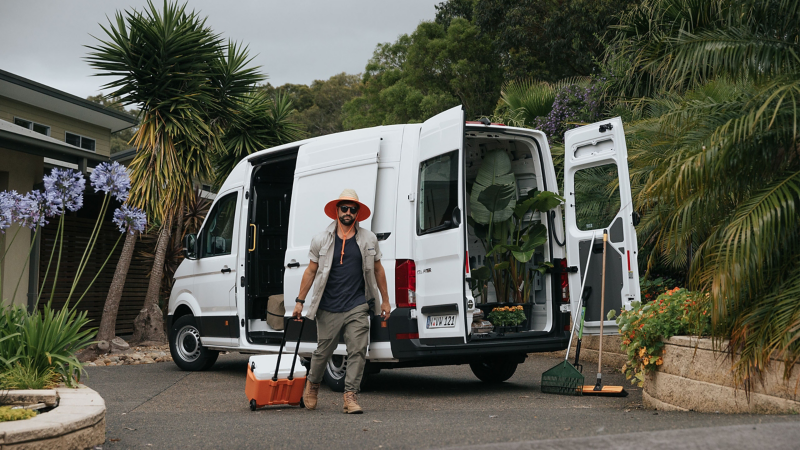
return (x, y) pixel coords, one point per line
(253, 405)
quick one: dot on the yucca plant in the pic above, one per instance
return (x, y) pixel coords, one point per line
(189, 85)
(716, 159)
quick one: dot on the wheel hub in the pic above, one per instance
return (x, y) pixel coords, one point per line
(187, 342)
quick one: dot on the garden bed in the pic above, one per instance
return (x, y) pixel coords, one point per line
(78, 422)
(695, 377)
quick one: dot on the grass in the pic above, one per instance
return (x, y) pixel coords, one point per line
(25, 376)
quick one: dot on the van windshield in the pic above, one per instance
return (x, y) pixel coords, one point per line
(438, 193)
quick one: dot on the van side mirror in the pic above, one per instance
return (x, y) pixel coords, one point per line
(190, 246)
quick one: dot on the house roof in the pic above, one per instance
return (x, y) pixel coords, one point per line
(15, 137)
(36, 94)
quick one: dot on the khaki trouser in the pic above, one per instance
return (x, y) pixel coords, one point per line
(356, 337)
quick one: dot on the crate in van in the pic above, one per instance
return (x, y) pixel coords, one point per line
(416, 180)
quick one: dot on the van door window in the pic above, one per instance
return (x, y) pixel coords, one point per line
(217, 236)
(438, 193)
(597, 198)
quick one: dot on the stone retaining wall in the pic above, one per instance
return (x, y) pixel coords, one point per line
(697, 378)
(78, 422)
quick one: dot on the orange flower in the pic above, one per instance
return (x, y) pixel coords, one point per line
(659, 361)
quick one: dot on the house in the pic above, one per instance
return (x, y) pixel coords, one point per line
(41, 128)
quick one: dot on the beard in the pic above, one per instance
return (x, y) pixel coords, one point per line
(347, 220)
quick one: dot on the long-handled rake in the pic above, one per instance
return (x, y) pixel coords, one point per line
(565, 378)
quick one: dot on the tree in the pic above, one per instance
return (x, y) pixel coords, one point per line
(427, 72)
(715, 155)
(188, 85)
(547, 40)
(319, 106)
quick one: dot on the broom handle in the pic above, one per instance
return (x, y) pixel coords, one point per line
(602, 304)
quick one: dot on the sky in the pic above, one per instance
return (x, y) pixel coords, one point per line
(293, 41)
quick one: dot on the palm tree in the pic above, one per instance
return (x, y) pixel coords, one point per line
(188, 85)
(264, 122)
(718, 85)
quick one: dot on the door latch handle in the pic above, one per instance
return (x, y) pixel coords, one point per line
(226, 269)
(293, 264)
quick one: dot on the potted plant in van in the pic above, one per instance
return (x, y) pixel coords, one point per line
(507, 229)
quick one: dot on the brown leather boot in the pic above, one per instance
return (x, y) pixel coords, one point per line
(351, 404)
(310, 395)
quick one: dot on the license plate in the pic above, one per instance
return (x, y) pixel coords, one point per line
(448, 321)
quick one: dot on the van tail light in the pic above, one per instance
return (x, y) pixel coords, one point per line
(467, 259)
(562, 264)
(405, 283)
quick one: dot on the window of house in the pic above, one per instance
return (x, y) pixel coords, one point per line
(438, 193)
(80, 141)
(216, 238)
(31, 125)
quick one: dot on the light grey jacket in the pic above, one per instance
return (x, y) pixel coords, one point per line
(321, 252)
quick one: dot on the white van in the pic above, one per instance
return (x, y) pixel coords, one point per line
(254, 244)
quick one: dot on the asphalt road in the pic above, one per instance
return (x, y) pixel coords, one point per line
(159, 406)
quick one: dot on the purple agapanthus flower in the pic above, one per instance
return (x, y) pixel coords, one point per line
(66, 185)
(34, 208)
(9, 201)
(111, 178)
(130, 219)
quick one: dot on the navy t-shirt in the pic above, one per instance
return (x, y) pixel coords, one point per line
(345, 287)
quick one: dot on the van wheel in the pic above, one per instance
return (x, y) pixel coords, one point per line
(185, 348)
(494, 370)
(335, 371)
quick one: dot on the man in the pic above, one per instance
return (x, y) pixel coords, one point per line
(346, 272)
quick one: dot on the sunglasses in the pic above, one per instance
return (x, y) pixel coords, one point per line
(353, 209)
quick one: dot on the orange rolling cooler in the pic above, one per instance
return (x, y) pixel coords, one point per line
(272, 380)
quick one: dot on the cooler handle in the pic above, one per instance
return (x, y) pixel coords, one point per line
(296, 348)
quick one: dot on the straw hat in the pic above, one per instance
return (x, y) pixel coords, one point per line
(350, 196)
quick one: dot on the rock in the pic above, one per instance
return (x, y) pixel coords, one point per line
(114, 359)
(147, 360)
(103, 346)
(137, 356)
(119, 344)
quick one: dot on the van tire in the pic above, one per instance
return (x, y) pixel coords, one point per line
(493, 370)
(335, 371)
(185, 348)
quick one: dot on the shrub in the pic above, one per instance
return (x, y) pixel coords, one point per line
(507, 316)
(7, 414)
(652, 288)
(643, 328)
(41, 346)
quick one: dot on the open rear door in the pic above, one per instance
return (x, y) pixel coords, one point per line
(598, 197)
(440, 227)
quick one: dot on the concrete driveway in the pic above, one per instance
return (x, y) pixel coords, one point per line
(159, 406)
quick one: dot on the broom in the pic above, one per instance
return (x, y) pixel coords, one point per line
(565, 378)
(598, 388)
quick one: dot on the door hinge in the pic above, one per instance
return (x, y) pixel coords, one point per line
(242, 281)
(606, 127)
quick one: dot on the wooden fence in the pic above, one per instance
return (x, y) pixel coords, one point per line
(76, 237)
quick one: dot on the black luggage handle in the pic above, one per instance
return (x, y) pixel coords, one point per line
(296, 348)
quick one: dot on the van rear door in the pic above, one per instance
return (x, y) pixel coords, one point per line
(598, 197)
(440, 226)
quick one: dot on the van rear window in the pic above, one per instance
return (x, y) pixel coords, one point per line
(438, 193)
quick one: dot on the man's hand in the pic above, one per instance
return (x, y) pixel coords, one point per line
(297, 314)
(386, 309)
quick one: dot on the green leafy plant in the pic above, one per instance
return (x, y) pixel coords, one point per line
(507, 316)
(39, 348)
(645, 326)
(506, 230)
(652, 288)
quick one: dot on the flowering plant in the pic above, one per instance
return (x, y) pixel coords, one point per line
(643, 328)
(507, 316)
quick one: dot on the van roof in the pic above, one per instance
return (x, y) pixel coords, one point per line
(335, 137)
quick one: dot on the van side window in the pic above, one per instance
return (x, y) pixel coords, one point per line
(217, 236)
(438, 193)
(597, 197)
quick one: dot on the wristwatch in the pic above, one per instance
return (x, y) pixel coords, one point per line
(299, 301)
